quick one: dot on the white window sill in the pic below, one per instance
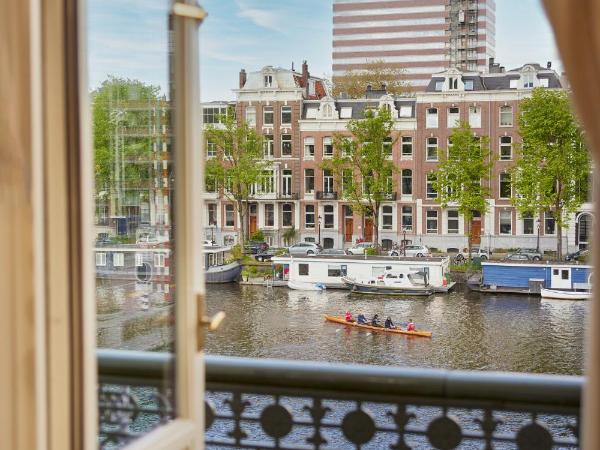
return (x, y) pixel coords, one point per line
(406, 157)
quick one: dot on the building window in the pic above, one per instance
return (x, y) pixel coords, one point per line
(406, 175)
(159, 260)
(251, 116)
(101, 259)
(453, 221)
(309, 216)
(118, 259)
(286, 115)
(453, 117)
(268, 81)
(469, 85)
(139, 260)
(337, 271)
(309, 147)
(506, 116)
(387, 217)
(387, 147)
(309, 181)
(505, 185)
(212, 214)
(528, 224)
(229, 218)
(407, 218)
(407, 147)
(406, 111)
(431, 192)
(439, 86)
(286, 145)
(303, 270)
(327, 111)
(268, 146)
(211, 149)
(210, 183)
(505, 222)
(327, 181)
(327, 147)
(432, 222)
(347, 180)
(506, 148)
(431, 153)
(269, 215)
(286, 188)
(215, 114)
(528, 80)
(514, 84)
(475, 117)
(431, 118)
(549, 223)
(328, 212)
(268, 115)
(544, 82)
(267, 182)
(287, 215)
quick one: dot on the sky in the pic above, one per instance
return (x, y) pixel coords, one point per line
(127, 38)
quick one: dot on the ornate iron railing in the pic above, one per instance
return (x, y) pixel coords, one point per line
(252, 404)
(327, 195)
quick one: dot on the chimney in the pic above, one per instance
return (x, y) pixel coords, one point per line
(292, 66)
(549, 65)
(491, 65)
(305, 73)
(242, 78)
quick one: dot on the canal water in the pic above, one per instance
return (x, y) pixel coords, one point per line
(471, 331)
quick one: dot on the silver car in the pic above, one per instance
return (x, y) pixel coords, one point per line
(359, 249)
(420, 251)
(304, 248)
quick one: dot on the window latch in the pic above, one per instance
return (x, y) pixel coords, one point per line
(212, 323)
(190, 11)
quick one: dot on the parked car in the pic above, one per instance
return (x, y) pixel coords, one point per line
(333, 252)
(264, 256)
(254, 247)
(420, 251)
(517, 257)
(579, 255)
(476, 252)
(305, 248)
(532, 253)
(359, 249)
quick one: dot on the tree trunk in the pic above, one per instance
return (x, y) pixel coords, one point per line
(559, 241)
(376, 227)
(469, 237)
(243, 219)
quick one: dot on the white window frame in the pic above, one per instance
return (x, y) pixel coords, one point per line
(118, 259)
(389, 215)
(475, 116)
(306, 190)
(406, 142)
(500, 182)
(286, 109)
(453, 218)
(405, 214)
(453, 118)
(402, 178)
(500, 222)
(327, 143)
(431, 118)
(309, 147)
(307, 213)
(229, 209)
(509, 110)
(290, 140)
(268, 110)
(429, 146)
(428, 182)
(429, 215)
(251, 116)
(100, 259)
(505, 145)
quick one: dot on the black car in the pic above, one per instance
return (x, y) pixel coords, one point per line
(254, 247)
(264, 256)
(579, 255)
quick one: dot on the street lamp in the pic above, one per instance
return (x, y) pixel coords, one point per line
(404, 240)
(319, 224)
(537, 248)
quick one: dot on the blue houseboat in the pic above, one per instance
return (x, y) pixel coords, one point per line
(530, 278)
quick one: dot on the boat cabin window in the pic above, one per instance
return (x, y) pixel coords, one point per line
(303, 269)
(378, 271)
(211, 259)
(565, 274)
(555, 272)
(344, 270)
(334, 271)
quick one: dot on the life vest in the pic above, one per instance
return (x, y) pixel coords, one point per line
(410, 327)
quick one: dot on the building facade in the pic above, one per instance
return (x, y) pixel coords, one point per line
(306, 197)
(422, 37)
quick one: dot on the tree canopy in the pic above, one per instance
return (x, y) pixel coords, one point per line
(362, 165)
(553, 165)
(376, 73)
(462, 174)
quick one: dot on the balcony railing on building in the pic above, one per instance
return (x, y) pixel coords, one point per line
(252, 404)
(288, 196)
(327, 195)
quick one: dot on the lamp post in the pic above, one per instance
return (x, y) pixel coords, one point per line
(537, 248)
(319, 224)
(404, 241)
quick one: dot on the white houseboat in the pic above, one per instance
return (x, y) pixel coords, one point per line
(329, 270)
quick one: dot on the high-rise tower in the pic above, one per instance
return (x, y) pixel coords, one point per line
(420, 36)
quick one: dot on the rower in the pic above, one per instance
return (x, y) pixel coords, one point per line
(375, 321)
(361, 319)
(389, 323)
(410, 326)
(348, 317)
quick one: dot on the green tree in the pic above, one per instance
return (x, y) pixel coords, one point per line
(123, 163)
(239, 166)
(553, 164)
(362, 164)
(462, 175)
(353, 83)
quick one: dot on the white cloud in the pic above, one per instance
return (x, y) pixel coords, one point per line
(261, 17)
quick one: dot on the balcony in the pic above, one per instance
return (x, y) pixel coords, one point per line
(290, 196)
(265, 404)
(325, 195)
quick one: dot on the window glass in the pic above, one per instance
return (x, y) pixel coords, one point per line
(309, 147)
(407, 218)
(287, 217)
(453, 221)
(549, 223)
(505, 222)
(407, 147)
(431, 153)
(334, 271)
(432, 222)
(309, 216)
(286, 115)
(406, 181)
(506, 116)
(505, 185)
(528, 225)
(387, 216)
(251, 116)
(506, 148)
(327, 147)
(268, 146)
(269, 215)
(267, 115)
(453, 117)
(475, 117)
(328, 211)
(431, 192)
(431, 118)
(309, 181)
(229, 216)
(286, 145)
(303, 269)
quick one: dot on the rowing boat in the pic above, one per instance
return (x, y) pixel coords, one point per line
(341, 320)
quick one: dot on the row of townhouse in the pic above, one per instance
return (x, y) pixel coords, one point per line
(298, 120)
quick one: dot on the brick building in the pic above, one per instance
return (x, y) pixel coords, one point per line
(305, 196)
(422, 37)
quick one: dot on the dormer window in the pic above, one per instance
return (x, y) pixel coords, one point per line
(544, 82)
(514, 84)
(327, 111)
(469, 85)
(268, 81)
(452, 84)
(528, 80)
(439, 86)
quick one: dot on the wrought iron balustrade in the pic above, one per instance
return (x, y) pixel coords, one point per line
(252, 404)
(289, 196)
(327, 195)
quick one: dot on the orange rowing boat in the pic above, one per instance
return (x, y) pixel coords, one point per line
(341, 320)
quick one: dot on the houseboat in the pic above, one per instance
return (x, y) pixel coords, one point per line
(531, 278)
(216, 268)
(330, 270)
